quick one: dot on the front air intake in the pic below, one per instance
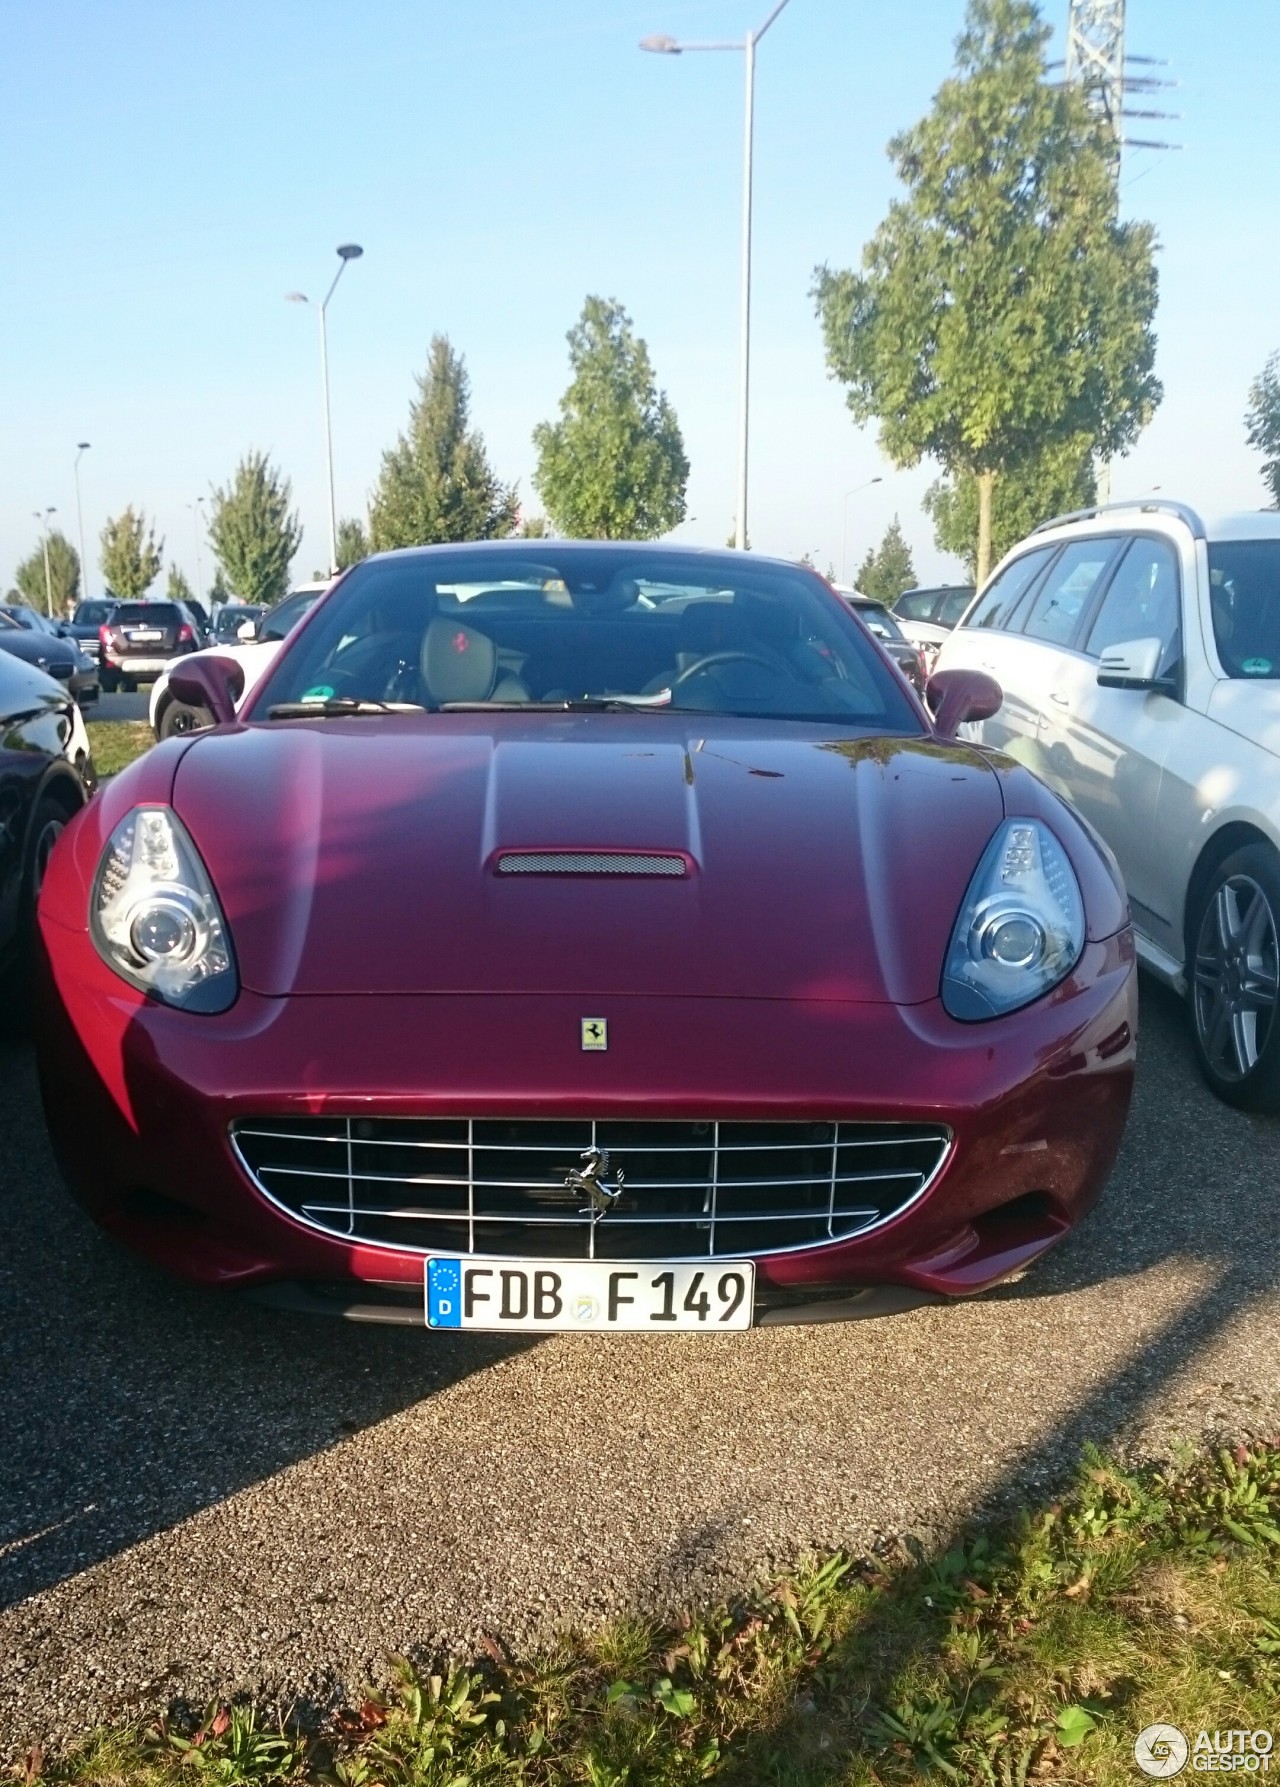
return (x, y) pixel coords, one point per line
(590, 862)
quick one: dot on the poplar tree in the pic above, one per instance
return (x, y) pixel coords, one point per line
(131, 555)
(254, 532)
(1002, 308)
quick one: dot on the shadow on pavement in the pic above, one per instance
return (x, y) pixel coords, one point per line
(129, 1401)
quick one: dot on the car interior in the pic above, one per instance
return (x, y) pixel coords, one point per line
(393, 635)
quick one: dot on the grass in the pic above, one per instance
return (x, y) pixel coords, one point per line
(115, 743)
(1028, 1653)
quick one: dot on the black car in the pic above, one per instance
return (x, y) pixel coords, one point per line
(877, 618)
(142, 638)
(46, 775)
(90, 616)
(59, 658)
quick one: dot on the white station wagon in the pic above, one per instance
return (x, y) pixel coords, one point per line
(1138, 648)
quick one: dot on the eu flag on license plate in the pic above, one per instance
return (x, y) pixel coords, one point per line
(444, 1293)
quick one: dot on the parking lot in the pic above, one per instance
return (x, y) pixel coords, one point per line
(196, 1493)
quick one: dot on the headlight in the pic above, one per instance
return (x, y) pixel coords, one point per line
(1020, 929)
(155, 918)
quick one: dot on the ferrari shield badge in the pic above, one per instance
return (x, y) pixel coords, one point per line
(595, 1033)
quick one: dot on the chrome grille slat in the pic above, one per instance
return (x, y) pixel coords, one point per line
(692, 1190)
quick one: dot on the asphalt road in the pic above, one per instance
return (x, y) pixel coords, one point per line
(120, 706)
(197, 1495)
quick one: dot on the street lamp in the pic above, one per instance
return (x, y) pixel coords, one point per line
(195, 509)
(81, 448)
(668, 46)
(42, 516)
(844, 531)
(347, 251)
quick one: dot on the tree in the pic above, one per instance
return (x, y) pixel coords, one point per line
(1003, 308)
(218, 591)
(64, 576)
(613, 467)
(253, 531)
(887, 570)
(1056, 482)
(1262, 419)
(131, 555)
(177, 588)
(353, 542)
(436, 483)
(533, 527)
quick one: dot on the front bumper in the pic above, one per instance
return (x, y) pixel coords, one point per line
(140, 1100)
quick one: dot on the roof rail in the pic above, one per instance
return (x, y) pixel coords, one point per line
(1146, 505)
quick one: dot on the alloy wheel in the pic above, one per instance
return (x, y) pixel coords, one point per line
(1237, 977)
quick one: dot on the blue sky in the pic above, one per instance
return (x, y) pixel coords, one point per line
(173, 167)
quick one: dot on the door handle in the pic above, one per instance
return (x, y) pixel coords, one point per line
(1061, 700)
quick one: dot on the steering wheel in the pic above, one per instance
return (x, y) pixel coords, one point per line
(774, 666)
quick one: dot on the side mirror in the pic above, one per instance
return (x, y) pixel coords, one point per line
(247, 630)
(1132, 665)
(214, 683)
(954, 696)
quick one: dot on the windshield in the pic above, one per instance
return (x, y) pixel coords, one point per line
(279, 622)
(705, 632)
(880, 621)
(147, 614)
(1244, 599)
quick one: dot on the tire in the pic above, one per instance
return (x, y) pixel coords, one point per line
(179, 718)
(1233, 979)
(127, 685)
(109, 681)
(47, 824)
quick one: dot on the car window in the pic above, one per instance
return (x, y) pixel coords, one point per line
(147, 614)
(93, 614)
(878, 619)
(280, 621)
(1002, 594)
(953, 605)
(1142, 602)
(1061, 598)
(1244, 600)
(916, 604)
(702, 632)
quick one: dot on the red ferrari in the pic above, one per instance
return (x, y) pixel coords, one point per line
(584, 936)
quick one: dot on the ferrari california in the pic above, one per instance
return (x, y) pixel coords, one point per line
(584, 936)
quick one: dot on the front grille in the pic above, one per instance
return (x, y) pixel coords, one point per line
(497, 1186)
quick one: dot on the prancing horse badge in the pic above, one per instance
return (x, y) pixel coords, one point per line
(595, 1033)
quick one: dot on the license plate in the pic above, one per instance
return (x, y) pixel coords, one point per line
(142, 633)
(544, 1296)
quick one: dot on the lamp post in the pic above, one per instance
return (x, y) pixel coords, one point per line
(347, 251)
(42, 516)
(195, 509)
(844, 530)
(669, 46)
(82, 447)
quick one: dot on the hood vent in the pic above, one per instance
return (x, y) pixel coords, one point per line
(591, 862)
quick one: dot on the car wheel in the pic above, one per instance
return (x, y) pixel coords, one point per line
(108, 682)
(1234, 979)
(47, 827)
(127, 685)
(178, 717)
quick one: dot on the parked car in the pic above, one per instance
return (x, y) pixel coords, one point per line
(628, 950)
(254, 655)
(874, 615)
(46, 774)
(86, 622)
(1139, 650)
(927, 616)
(142, 638)
(231, 618)
(61, 659)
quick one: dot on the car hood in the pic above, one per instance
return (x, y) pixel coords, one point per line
(358, 856)
(38, 648)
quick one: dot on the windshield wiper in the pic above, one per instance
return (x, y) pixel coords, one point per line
(581, 704)
(338, 707)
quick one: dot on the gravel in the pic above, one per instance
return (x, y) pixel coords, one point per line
(200, 1496)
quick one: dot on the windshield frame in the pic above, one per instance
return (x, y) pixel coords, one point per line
(569, 567)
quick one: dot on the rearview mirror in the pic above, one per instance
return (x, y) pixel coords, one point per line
(954, 696)
(1133, 665)
(214, 683)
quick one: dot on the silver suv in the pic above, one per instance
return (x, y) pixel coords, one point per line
(1138, 648)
